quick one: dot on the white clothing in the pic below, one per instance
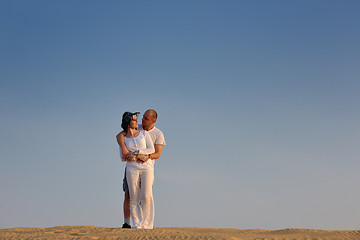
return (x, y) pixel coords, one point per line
(140, 177)
(144, 144)
(141, 198)
(156, 135)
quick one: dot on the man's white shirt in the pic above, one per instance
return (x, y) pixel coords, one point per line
(156, 135)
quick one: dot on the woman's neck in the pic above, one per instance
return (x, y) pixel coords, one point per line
(132, 132)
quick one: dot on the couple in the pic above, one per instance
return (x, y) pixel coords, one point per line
(140, 145)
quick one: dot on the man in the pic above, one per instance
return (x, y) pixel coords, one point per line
(148, 121)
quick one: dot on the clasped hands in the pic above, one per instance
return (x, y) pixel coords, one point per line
(140, 158)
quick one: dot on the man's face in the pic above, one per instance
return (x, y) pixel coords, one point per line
(147, 120)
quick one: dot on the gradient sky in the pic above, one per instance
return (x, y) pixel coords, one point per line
(258, 102)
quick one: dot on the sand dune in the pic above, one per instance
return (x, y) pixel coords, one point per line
(90, 232)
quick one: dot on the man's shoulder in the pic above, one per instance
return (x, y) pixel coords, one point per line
(156, 130)
(158, 136)
(120, 133)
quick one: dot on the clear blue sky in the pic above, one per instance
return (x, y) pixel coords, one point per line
(258, 101)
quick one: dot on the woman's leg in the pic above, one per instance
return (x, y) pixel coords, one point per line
(133, 179)
(146, 198)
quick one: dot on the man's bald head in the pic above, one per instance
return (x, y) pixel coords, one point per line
(151, 113)
(149, 119)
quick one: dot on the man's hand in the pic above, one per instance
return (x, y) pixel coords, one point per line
(142, 158)
(130, 157)
(124, 153)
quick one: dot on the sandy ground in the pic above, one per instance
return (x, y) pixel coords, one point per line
(90, 232)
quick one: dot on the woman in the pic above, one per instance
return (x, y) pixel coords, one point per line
(139, 175)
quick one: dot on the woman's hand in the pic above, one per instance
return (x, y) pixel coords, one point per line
(130, 157)
(142, 158)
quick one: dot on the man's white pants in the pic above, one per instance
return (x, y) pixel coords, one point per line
(141, 198)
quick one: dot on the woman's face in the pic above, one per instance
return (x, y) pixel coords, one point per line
(133, 122)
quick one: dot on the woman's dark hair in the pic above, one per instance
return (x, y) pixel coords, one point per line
(126, 118)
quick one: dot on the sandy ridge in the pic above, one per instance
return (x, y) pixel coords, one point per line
(92, 232)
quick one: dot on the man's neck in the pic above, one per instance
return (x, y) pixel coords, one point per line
(148, 128)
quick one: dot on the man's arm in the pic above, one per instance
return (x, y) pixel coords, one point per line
(121, 142)
(155, 155)
(158, 150)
